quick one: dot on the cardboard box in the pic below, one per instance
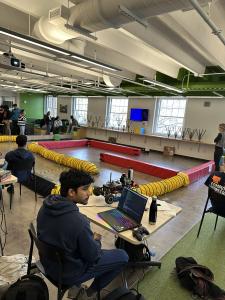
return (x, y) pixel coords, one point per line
(169, 151)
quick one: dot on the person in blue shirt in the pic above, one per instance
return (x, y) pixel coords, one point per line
(60, 223)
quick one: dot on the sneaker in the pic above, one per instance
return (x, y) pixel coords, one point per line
(82, 295)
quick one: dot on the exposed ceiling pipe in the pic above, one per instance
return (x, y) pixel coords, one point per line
(216, 30)
(96, 15)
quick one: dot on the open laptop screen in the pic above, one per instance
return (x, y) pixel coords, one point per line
(133, 204)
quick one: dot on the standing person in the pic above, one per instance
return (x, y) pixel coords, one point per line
(48, 122)
(6, 120)
(14, 118)
(57, 125)
(22, 121)
(60, 223)
(1, 119)
(219, 146)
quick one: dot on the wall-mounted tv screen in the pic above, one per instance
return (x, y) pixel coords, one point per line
(139, 114)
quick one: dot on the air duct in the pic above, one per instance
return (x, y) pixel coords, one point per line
(215, 30)
(96, 15)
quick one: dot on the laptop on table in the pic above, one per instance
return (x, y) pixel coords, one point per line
(129, 212)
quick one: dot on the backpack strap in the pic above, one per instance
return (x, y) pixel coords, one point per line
(191, 267)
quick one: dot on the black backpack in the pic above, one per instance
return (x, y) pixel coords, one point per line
(197, 278)
(123, 293)
(136, 253)
(28, 287)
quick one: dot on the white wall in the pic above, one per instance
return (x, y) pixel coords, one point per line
(64, 100)
(199, 116)
(97, 108)
(147, 103)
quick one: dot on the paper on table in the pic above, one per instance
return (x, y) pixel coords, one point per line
(164, 206)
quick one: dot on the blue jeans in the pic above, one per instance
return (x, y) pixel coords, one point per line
(106, 269)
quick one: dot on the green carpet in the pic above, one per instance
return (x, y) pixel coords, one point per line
(208, 250)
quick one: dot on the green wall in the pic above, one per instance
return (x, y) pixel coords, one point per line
(33, 104)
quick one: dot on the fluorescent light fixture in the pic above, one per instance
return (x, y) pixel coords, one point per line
(36, 42)
(166, 86)
(31, 40)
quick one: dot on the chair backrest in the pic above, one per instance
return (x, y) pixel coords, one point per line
(218, 202)
(50, 252)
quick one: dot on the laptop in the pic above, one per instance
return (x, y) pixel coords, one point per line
(129, 212)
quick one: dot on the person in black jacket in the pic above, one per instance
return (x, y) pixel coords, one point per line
(17, 158)
(60, 223)
(219, 146)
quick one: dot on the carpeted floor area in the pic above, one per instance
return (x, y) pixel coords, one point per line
(208, 250)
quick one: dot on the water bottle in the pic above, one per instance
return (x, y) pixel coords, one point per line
(130, 174)
(153, 211)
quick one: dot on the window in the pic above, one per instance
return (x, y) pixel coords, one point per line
(169, 115)
(80, 109)
(51, 105)
(117, 113)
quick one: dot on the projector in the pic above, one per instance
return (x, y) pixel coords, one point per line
(8, 59)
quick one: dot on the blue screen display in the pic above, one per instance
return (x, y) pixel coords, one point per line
(138, 114)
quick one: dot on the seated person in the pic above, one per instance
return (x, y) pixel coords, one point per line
(20, 157)
(73, 124)
(60, 223)
(216, 184)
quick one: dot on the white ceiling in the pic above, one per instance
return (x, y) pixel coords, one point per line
(173, 39)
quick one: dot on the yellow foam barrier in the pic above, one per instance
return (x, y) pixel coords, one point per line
(7, 138)
(159, 188)
(56, 190)
(61, 159)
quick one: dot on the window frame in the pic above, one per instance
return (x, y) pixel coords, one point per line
(157, 115)
(109, 112)
(52, 108)
(75, 112)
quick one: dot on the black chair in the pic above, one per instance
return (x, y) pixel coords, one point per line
(217, 207)
(53, 254)
(22, 166)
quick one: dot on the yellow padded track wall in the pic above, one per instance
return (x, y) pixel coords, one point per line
(162, 187)
(7, 138)
(67, 161)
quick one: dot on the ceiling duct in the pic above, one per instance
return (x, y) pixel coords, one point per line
(96, 15)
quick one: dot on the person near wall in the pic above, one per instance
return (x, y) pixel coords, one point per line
(1, 119)
(48, 122)
(60, 223)
(22, 121)
(6, 120)
(14, 118)
(219, 146)
(73, 124)
(57, 125)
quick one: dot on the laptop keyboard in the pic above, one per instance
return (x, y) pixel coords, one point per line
(118, 221)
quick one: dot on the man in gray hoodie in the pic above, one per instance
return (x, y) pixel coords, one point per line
(60, 223)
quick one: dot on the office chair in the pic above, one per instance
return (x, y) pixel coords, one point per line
(52, 253)
(24, 170)
(217, 207)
